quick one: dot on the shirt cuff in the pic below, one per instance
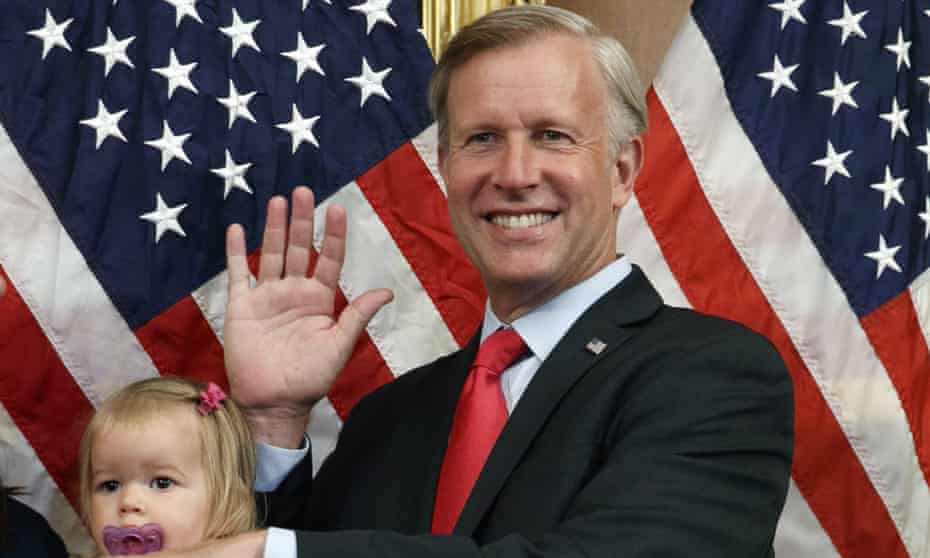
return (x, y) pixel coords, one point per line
(274, 464)
(280, 543)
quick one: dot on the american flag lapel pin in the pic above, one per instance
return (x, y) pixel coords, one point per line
(596, 346)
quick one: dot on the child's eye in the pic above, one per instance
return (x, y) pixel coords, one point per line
(162, 483)
(108, 486)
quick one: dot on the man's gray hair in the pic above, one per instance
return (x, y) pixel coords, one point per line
(516, 26)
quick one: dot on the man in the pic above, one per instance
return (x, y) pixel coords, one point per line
(630, 428)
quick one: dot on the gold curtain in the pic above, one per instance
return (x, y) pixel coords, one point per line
(442, 18)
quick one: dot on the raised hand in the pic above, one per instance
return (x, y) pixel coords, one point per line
(283, 344)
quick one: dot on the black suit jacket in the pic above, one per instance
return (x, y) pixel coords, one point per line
(28, 534)
(675, 440)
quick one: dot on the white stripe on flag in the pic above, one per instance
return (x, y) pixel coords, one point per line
(70, 306)
(211, 299)
(408, 332)
(635, 238)
(848, 372)
(799, 534)
(427, 145)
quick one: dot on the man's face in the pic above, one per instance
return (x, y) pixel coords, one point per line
(151, 473)
(534, 190)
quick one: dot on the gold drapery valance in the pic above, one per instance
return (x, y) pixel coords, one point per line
(442, 18)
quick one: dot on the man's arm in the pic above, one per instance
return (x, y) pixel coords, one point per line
(248, 545)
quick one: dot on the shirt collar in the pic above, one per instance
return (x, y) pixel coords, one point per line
(543, 327)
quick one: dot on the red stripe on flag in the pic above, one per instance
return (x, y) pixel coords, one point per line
(365, 371)
(413, 209)
(181, 342)
(715, 280)
(40, 394)
(894, 330)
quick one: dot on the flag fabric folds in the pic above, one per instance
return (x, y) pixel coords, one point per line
(133, 132)
(786, 186)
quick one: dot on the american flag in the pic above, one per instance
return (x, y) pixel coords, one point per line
(786, 186)
(134, 131)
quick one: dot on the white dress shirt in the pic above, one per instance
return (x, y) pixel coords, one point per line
(541, 330)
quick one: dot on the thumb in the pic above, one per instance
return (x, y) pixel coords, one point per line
(360, 311)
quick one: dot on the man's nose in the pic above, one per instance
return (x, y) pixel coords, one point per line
(518, 165)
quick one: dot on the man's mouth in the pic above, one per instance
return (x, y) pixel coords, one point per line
(521, 221)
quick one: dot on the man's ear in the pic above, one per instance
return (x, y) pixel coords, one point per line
(629, 162)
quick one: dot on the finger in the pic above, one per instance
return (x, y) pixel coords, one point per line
(274, 240)
(333, 251)
(300, 235)
(236, 262)
(359, 312)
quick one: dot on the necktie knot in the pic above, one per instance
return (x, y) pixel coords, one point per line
(501, 349)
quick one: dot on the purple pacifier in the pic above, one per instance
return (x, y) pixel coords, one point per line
(127, 541)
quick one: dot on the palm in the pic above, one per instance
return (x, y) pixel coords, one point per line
(284, 345)
(282, 340)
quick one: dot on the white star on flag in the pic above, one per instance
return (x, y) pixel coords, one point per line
(891, 187)
(832, 163)
(184, 8)
(241, 33)
(306, 57)
(300, 128)
(376, 11)
(896, 119)
(52, 33)
(926, 81)
(841, 93)
(370, 82)
(238, 104)
(790, 9)
(170, 145)
(165, 218)
(884, 255)
(780, 76)
(233, 175)
(925, 217)
(113, 51)
(902, 49)
(925, 149)
(178, 75)
(106, 123)
(307, 2)
(849, 23)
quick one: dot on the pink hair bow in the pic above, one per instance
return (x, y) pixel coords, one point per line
(210, 399)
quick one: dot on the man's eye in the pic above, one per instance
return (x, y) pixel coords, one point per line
(483, 137)
(162, 483)
(108, 486)
(553, 135)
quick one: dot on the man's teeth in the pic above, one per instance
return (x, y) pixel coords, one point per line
(521, 221)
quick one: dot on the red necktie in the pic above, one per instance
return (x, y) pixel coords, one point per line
(479, 418)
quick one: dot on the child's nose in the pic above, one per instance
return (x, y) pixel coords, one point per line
(131, 502)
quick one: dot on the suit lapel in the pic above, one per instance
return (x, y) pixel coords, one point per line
(608, 321)
(435, 422)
